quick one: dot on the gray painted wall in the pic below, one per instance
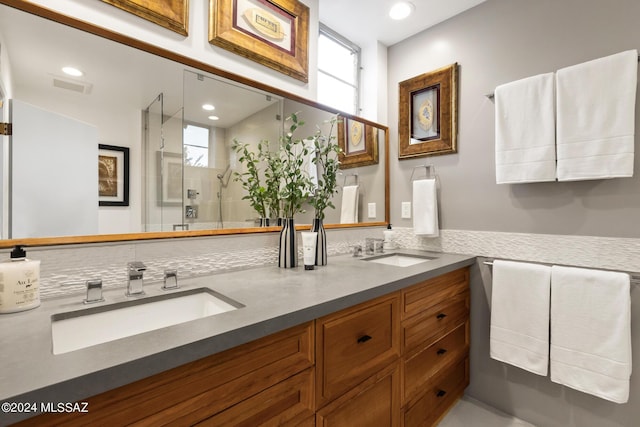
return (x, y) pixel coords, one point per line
(497, 42)
(494, 43)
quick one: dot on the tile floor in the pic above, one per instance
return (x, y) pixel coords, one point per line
(472, 413)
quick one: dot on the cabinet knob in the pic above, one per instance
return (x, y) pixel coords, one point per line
(441, 316)
(364, 339)
(441, 393)
(441, 351)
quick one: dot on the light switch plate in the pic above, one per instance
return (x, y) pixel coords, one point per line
(372, 210)
(406, 210)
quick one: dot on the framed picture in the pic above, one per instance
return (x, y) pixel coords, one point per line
(113, 175)
(274, 33)
(359, 143)
(170, 166)
(428, 110)
(171, 14)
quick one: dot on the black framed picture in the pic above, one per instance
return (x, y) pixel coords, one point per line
(113, 175)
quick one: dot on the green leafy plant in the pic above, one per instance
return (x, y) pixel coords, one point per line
(296, 184)
(273, 179)
(326, 159)
(250, 178)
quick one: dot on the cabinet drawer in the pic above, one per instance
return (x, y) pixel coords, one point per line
(373, 403)
(433, 291)
(441, 392)
(418, 369)
(355, 343)
(423, 329)
(289, 403)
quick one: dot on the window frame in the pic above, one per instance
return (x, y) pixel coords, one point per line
(356, 50)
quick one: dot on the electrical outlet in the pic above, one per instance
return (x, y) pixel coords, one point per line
(372, 210)
(406, 210)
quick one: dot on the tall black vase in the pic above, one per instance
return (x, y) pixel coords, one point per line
(321, 242)
(288, 253)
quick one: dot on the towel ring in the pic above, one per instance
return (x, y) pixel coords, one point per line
(427, 169)
(354, 175)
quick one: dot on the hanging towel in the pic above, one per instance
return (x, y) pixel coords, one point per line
(526, 130)
(349, 208)
(596, 118)
(591, 331)
(425, 208)
(519, 332)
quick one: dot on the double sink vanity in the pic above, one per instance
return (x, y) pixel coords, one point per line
(379, 340)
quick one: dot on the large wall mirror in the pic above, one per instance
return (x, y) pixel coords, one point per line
(144, 105)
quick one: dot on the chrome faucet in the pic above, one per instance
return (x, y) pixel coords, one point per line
(135, 274)
(94, 291)
(170, 280)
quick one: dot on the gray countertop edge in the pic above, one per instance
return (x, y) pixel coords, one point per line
(384, 280)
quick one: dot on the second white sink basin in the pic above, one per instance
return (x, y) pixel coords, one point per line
(85, 328)
(399, 260)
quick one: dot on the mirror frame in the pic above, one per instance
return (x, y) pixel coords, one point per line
(190, 62)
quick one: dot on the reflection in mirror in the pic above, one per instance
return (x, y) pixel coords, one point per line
(151, 107)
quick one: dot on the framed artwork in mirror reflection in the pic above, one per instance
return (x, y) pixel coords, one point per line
(358, 142)
(428, 113)
(113, 175)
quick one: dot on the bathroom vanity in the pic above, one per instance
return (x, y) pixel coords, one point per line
(352, 343)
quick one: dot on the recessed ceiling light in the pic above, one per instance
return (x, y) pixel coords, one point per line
(401, 10)
(208, 107)
(72, 71)
(214, 118)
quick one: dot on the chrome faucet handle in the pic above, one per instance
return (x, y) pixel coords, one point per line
(357, 251)
(94, 291)
(170, 279)
(135, 278)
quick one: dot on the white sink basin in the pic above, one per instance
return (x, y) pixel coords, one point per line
(399, 260)
(80, 329)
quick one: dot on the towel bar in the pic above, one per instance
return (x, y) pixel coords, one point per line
(634, 276)
(492, 94)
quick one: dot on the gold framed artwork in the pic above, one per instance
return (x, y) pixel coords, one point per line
(428, 110)
(171, 14)
(274, 33)
(113, 175)
(358, 143)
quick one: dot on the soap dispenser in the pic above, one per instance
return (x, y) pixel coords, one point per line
(389, 238)
(19, 282)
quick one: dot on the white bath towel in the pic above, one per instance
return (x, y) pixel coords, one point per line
(591, 331)
(596, 118)
(349, 206)
(526, 130)
(425, 208)
(520, 315)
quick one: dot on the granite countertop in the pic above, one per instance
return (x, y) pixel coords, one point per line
(274, 299)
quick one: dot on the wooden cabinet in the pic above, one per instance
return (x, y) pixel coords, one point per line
(353, 344)
(398, 360)
(435, 342)
(259, 377)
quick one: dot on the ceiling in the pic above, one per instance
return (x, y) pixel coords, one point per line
(362, 20)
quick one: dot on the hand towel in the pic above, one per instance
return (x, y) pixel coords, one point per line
(591, 331)
(526, 130)
(349, 207)
(596, 118)
(425, 208)
(519, 333)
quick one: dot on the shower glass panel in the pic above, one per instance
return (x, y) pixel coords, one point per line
(163, 177)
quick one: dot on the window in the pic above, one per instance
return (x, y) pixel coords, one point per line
(338, 71)
(196, 146)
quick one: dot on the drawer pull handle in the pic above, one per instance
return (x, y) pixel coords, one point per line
(441, 351)
(364, 339)
(441, 393)
(441, 316)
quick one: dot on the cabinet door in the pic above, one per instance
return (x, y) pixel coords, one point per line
(354, 344)
(374, 403)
